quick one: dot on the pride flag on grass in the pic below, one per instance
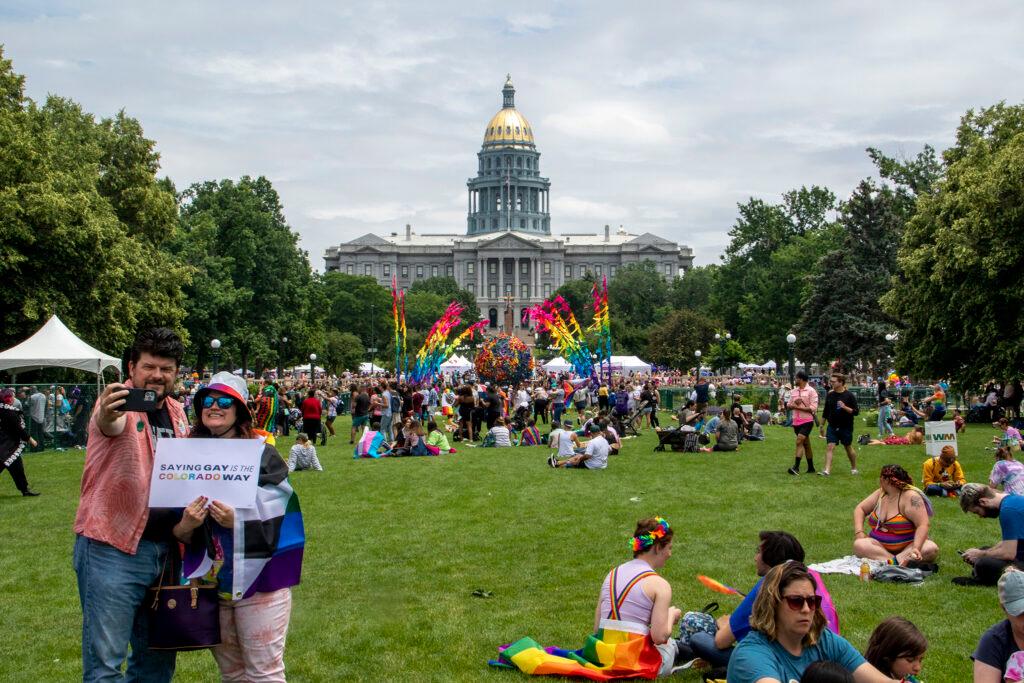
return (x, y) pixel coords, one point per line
(606, 656)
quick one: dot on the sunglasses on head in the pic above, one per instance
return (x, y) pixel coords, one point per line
(797, 602)
(223, 402)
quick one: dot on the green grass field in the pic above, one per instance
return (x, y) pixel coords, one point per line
(395, 549)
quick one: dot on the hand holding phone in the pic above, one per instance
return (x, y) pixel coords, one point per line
(140, 400)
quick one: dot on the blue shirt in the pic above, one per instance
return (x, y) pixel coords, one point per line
(756, 657)
(739, 621)
(1011, 521)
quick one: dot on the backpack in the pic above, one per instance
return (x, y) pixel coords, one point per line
(396, 403)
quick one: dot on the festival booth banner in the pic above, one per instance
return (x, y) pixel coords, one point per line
(939, 434)
(226, 470)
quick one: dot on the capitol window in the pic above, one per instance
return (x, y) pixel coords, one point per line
(524, 291)
(387, 269)
(492, 291)
(668, 270)
(547, 267)
(611, 271)
(597, 271)
(524, 267)
(470, 268)
(547, 289)
(419, 271)
(492, 267)
(583, 271)
(508, 129)
(433, 271)
(568, 272)
(405, 271)
(368, 269)
(449, 271)
(350, 269)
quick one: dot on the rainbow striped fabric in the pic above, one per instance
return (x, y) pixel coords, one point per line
(607, 655)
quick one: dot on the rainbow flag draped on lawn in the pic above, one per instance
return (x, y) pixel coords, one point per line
(607, 655)
(266, 544)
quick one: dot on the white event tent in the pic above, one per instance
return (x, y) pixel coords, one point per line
(456, 363)
(369, 368)
(557, 364)
(54, 345)
(628, 364)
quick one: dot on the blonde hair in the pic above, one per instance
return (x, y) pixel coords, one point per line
(769, 599)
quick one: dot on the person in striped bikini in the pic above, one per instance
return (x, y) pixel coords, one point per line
(898, 516)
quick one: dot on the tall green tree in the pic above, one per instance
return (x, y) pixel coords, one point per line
(250, 248)
(673, 341)
(960, 289)
(358, 304)
(343, 351)
(448, 289)
(82, 218)
(841, 317)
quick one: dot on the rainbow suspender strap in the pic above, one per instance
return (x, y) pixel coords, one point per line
(617, 599)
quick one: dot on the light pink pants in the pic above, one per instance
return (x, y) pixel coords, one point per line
(252, 632)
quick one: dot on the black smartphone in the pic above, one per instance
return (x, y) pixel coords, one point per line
(139, 401)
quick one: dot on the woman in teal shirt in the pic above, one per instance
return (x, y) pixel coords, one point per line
(789, 634)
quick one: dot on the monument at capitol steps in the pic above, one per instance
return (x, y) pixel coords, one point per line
(507, 256)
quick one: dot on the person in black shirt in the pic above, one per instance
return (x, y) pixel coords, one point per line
(840, 409)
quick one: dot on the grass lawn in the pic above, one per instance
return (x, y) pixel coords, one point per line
(395, 549)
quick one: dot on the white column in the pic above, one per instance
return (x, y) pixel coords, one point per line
(501, 277)
(536, 278)
(515, 278)
(480, 278)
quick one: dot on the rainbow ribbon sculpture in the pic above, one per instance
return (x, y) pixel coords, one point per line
(557, 319)
(398, 305)
(436, 348)
(602, 325)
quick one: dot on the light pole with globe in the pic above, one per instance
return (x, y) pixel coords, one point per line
(215, 347)
(721, 339)
(791, 340)
(696, 354)
(892, 338)
(312, 366)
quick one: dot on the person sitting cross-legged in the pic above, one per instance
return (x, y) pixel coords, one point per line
(989, 562)
(774, 548)
(594, 455)
(898, 515)
(943, 476)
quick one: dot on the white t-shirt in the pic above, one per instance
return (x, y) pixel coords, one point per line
(561, 440)
(522, 398)
(597, 450)
(501, 436)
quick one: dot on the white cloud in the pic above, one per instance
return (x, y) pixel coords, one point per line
(367, 213)
(611, 123)
(530, 23)
(575, 207)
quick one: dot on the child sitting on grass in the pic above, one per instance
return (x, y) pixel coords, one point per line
(303, 455)
(896, 648)
(436, 438)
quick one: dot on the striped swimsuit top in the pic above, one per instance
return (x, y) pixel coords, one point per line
(895, 533)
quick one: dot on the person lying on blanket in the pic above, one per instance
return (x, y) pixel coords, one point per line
(633, 621)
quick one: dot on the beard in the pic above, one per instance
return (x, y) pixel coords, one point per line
(990, 512)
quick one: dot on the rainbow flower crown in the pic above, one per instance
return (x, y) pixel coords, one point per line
(645, 541)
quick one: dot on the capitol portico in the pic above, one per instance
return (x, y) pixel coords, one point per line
(507, 254)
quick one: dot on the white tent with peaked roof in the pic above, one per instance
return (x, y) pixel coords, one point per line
(54, 345)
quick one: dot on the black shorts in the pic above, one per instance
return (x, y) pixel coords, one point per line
(804, 429)
(310, 427)
(839, 435)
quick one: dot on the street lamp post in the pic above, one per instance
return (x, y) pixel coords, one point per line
(696, 354)
(312, 366)
(721, 339)
(791, 340)
(215, 346)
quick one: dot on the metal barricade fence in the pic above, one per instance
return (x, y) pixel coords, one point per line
(65, 412)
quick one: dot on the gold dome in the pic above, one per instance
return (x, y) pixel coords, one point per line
(508, 127)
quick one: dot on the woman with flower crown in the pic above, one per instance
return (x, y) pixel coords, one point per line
(633, 621)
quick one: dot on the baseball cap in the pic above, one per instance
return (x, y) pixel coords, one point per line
(594, 429)
(969, 495)
(1011, 592)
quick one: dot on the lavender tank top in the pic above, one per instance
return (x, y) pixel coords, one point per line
(637, 607)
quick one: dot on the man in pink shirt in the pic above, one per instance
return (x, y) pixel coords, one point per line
(122, 544)
(803, 401)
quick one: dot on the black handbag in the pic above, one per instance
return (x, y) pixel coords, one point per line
(183, 617)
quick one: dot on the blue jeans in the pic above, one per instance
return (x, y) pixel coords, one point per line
(112, 587)
(703, 645)
(385, 427)
(557, 410)
(884, 428)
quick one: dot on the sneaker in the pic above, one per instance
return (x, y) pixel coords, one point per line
(824, 473)
(29, 493)
(794, 471)
(855, 472)
(551, 460)
(811, 470)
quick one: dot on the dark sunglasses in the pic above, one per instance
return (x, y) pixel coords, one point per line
(797, 602)
(223, 402)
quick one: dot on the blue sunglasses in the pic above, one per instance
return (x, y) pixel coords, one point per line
(223, 402)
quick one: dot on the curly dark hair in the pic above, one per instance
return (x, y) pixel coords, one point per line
(157, 341)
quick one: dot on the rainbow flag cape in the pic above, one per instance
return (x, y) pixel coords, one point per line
(607, 655)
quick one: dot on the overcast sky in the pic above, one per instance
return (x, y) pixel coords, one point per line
(658, 116)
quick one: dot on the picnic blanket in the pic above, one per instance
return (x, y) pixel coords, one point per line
(850, 564)
(371, 445)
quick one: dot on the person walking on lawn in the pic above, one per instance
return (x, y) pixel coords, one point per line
(840, 409)
(803, 401)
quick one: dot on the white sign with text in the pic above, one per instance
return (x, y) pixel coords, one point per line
(227, 470)
(939, 434)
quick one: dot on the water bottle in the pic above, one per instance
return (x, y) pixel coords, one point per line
(865, 571)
